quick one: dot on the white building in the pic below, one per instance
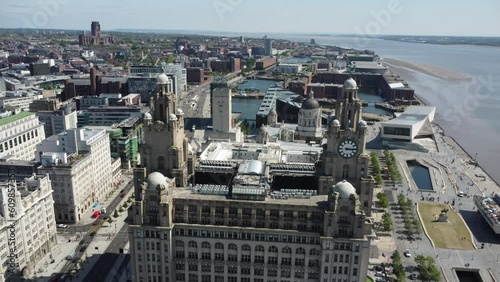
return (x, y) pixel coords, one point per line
(19, 135)
(222, 110)
(413, 123)
(34, 231)
(19, 99)
(80, 166)
(180, 72)
(289, 68)
(55, 122)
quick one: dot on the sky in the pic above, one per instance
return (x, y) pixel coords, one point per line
(364, 17)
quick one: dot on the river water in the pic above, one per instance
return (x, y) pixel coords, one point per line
(467, 110)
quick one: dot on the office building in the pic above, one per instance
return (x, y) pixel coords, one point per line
(18, 99)
(109, 115)
(55, 122)
(81, 169)
(268, 46)
(222, 110)
(180, 72)
(19, 135)
(34, 225)
(289, 68)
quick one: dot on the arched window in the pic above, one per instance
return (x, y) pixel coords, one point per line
(300, 251)
(232, 247)
(246, 248)
(273, 249)
(205, 245)
(179, 243)
(219, 246)
(259, 248)
(286, 250)
(193, 244)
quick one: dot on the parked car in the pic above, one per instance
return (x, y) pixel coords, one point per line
(407, 253)
(379, 274)
(82, 242)
(92, 234)
(377, 268)
(380, 279)
(62, 226)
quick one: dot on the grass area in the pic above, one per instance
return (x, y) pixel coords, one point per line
(369, 279)
(446, 235)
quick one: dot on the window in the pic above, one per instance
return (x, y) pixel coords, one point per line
(206, 267)
(193, 244)
(205, 245)
(285, 273)
(300, 251)
(246, 248)
(355, 272)
(286, 261)
(299, 261)
(314, 252)
(161, 162)
(179, 244)
(286, 250)
(258, 259)
(355, 259)
(273, 249)
(272, 260)
(259, 248)
(193, 267)
(258, 271)
(232, 247)
(219, 246)
(245, 258)
(245, 270)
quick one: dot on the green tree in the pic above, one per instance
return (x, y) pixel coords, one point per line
(387, 222)
(115, 214)
(110, 220)
(170, 59)
(383, 200)
(428, 269)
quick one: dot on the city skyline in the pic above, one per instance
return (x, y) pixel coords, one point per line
(395, 17)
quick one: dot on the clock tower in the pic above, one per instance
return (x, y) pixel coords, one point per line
(344, 156)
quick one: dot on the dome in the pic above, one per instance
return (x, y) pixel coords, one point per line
(363, 123)
(173, 117)
(350, 83)
(162, 79)
(148, 116)
(154, 179)
(310, 104)
(336, 122)
(180, 112)
(345, 189)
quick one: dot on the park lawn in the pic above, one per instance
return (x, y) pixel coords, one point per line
(447, 235)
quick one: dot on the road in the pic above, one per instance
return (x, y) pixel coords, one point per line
(104, 265)
(87, 229)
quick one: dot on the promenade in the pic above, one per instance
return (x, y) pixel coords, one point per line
(452, 171)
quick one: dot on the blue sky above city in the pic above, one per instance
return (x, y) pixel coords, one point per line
(373, 17)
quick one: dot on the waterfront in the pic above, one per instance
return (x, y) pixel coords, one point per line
(466, 109)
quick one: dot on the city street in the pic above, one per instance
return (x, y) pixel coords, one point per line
(74, 237)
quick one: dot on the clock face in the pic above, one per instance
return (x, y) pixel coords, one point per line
(348, 149)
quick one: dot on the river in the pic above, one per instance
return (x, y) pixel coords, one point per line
(468, 110)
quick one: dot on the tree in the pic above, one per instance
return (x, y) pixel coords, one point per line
(383, 200)
(170, 59)
(115, 215)
(387, 222)
(110, 220)
(428, 269)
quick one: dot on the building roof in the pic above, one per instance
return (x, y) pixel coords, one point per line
(7, 120)
(350, 83)
(412, 115)
(154, 179)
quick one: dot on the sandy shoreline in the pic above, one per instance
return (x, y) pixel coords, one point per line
(427, 69)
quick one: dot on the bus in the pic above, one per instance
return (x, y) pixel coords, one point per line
(71, 255)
